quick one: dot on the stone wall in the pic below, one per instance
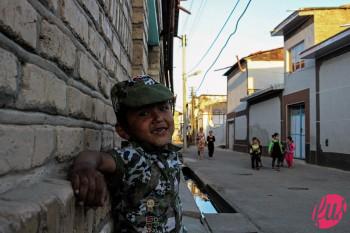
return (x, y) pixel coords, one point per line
(58, 61)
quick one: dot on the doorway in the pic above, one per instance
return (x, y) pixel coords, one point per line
(297, 129)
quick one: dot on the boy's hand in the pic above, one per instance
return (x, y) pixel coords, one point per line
(89, 185)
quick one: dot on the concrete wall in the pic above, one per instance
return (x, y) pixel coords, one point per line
(241, 128)
(335, 104)
(264, 127)
(304, 78)
(266, 73)
(236, 89)
(327, 23)
(58, 61)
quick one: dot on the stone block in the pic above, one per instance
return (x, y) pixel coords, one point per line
(99, 111)
(54, 43)
(54, 197)
(97, 45)
(20, 18)
(110, 116)
(107, 140)
(105, 4)
(78, 104)
(42, 90)
(138, 3)
(117, 17)
(53, 5)
(113, 11)
(139, 15)
(106, 27)
(117, 141)
(125, 62)
(119, 72)
(116, 46)
(17, 148)
(93, 8)
(92, 139)
(138, 32)
(24, 217)
(110, 61)
(70, 141)
(73, 15)
(104, 84)
(74, 101)
(44, 144)
(88, 71)
(87, 106)
(5, 225)
(8, 74)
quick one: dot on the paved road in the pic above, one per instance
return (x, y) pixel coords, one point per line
(276, 202)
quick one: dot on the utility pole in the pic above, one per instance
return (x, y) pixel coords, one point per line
(192, 114)
(184, 96)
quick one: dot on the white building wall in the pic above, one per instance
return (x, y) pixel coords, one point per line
(266, 73)
(304, 78)
(265, 119)
(241, 128)
(231, 135)
(335, 104)
(236, 89)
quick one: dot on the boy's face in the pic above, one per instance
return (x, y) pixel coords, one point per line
(152, 124)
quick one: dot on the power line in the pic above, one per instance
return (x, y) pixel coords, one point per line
(222, 49)
(187, 17)
(217, 36)
(198, 16)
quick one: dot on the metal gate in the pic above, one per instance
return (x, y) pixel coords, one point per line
(297, 129)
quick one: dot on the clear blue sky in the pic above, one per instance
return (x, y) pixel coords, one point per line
(253, 35)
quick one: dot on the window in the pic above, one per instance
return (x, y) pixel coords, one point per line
(296, 63)
(251, 89)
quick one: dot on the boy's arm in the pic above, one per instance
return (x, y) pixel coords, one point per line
(270, 147)
(87, 177)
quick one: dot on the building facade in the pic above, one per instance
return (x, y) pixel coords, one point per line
(301, 30)
(250, 74)
(332, 84)
(58, 62)
(208, 112)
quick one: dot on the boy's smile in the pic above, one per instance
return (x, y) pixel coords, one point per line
(152, 124)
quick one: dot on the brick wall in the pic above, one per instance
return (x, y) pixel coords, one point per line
(58, 61)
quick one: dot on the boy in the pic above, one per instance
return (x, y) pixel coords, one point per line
(143, 176)
(275, 151)
(255, 150)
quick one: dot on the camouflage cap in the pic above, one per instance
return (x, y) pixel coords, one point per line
(138, 92)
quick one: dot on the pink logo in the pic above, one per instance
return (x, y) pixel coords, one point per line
(329, 211)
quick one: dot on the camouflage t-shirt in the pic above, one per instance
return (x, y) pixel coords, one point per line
(145, 192)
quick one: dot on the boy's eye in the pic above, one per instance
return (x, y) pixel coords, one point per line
(164, 107)
(143, 113)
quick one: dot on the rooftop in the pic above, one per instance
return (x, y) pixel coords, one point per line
(275, 54)
(298, 17)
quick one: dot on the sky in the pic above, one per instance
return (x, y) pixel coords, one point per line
(252, 35)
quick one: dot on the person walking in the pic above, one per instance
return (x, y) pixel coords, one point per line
(255, 150)
(200, 143)
(275, 151)
(289, 153)
(210, 143)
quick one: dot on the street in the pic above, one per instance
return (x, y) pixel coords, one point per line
(274, 201)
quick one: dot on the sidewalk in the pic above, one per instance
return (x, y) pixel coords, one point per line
(276, 202)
